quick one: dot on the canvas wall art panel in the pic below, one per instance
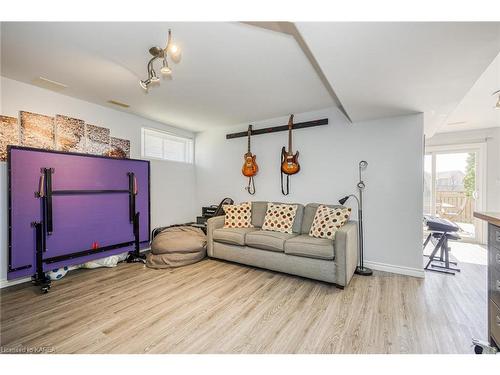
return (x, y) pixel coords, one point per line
(70, 134)
(62, 133)
(9, 134)
(97, 139)
(37, 130)
(119, 148)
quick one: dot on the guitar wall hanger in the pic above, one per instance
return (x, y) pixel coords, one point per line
(300, 125)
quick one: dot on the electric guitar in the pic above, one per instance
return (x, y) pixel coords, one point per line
(289, 160)
(250, 167)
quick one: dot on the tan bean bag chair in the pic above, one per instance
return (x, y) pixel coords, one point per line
(176, 247)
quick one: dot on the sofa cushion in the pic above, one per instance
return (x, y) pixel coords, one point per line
(267, 240)
(280, 217)
(237, 215)
(310, 212)
(234, 236)
(310, 247)
(259, 209)
(328, 220)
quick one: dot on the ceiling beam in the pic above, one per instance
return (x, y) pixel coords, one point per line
(290, 29)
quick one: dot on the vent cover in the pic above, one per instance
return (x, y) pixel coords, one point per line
(120, 104)
(49, 84)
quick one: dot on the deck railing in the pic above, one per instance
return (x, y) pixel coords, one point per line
(455, 205)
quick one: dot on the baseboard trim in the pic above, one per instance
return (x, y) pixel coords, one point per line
(392, 268)
(5, 283)
(400, 270)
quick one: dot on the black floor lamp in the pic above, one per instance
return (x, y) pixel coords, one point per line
(360, 269)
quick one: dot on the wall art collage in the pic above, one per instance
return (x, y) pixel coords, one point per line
(60, 133)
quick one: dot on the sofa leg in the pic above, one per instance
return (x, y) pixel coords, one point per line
(341, 287)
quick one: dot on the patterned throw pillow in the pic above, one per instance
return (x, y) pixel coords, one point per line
(279, 217)
(238, 215)
(328, 220)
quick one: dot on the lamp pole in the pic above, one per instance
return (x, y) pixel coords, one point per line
(360, 269)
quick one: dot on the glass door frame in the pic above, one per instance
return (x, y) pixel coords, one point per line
(480, 202)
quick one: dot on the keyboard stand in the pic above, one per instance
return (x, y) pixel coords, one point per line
(443, 259)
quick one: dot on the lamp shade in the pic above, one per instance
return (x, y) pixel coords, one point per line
(343, 200)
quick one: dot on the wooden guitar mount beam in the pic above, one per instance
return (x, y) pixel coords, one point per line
(299, 125)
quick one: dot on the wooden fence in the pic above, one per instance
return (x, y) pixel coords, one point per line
(462, 207)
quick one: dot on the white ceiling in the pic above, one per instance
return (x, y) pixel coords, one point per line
(233, 73)
(389, 69)
(230, 73)
(477, 109)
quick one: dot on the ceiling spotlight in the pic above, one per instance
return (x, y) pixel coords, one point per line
(165, 68)
(154, 78)
(175, 52)
(497, 106)
(171, 50)
(144, 84)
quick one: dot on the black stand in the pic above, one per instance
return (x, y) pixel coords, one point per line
(443, 259)
(361, 269)
(131, 196)
(40, 278)
(136, 256)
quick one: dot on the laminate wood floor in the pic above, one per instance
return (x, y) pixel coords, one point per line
(220, 307)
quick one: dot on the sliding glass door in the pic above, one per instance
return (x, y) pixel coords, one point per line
(453, 186)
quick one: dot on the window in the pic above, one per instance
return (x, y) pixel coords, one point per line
(157, 144)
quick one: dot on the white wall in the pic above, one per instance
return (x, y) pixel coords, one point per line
(492, 139)
(172, 184)
(329, 156)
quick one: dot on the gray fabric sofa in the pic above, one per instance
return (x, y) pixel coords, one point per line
(333, 261)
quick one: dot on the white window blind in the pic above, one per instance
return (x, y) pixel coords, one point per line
(161, 145)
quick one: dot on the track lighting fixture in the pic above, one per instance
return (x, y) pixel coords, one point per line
(171, 50)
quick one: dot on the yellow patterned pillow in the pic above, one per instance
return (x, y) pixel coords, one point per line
(328, 220)
(238, 215)
(280, 217)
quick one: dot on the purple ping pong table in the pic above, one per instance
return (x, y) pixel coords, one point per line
(69, 208)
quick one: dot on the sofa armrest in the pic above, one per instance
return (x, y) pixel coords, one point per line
(213, 223)
(346, 252)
